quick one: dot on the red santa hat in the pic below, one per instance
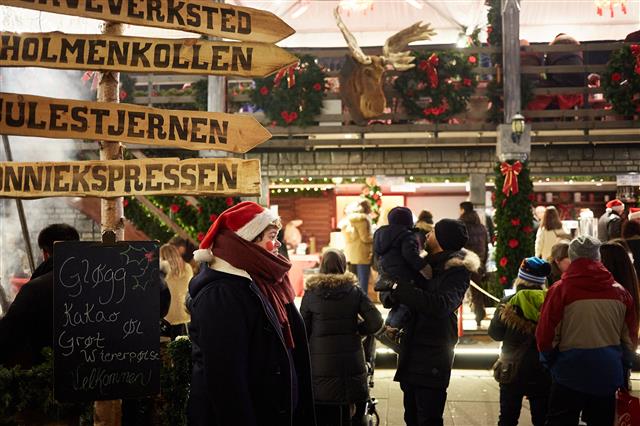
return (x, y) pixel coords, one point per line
(634, 213)
(246, 219)
(615, 203)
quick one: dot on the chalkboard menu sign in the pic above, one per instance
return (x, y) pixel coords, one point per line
(106, 320)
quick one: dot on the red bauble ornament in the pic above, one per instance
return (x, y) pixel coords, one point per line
(125, 202)
(515, 222)
(317, 87)
(123, 95)
(532, 196)
(200, 209)
(466, 82)
(174, 208)
(376, 196)
(264, 90)
(616, 77)
(473, 59)
(513, 243)
(527, 229)
(200, 236)
(213, 217)
(503, 280)
(504, 261)
(229, 201)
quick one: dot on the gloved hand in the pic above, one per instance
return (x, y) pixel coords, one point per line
(384, 283)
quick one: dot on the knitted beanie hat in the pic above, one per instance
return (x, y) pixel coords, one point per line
(451, 234)
(586, 247)
(246, 219)
(534, 270)
(400, 216)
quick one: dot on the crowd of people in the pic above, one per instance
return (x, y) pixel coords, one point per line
(569, 330)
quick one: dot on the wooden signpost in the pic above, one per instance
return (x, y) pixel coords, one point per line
(28, 115)
(136, 54)
(154, 176)
(199, 16)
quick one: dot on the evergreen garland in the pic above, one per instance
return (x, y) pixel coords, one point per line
(297, 105)
(621, 81)
(194, 220)
(439, 86)
(201, 92)
(26, 397)
(175, 379)
(513, 223)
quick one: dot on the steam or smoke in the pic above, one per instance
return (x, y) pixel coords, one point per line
(39, 213)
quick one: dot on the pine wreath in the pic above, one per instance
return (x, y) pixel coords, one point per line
(513, 220)
(621, 81)
(439, 86)
(296, 99)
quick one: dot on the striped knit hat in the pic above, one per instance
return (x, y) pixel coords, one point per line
(534, 270)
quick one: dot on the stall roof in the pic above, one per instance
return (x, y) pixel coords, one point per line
(313, 20)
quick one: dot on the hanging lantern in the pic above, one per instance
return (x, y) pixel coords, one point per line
(602, 5)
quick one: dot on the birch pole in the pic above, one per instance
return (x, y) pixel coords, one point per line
(109, 413)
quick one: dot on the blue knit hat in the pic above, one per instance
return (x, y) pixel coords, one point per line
(534, 270)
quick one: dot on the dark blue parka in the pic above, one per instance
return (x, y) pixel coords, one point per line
(243, 374)
(398, 252)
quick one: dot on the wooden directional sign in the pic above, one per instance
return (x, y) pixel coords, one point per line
(159, 176)
(27, 115)
(135, 54)
(200, 16)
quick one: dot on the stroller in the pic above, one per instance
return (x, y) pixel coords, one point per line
(370, 417)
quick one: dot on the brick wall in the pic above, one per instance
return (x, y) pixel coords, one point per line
(600, 159)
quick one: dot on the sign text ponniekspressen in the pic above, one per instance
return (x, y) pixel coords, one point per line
(160, 176)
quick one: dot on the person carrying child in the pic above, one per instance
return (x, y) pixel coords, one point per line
(398, 252)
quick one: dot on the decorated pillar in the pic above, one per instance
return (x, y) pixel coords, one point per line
(513, 194)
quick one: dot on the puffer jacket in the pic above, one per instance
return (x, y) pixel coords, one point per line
(430, 336)
(357, 238)
(397, 252)
(330, 308)
(510, 326)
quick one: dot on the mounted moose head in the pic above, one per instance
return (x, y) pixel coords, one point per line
(361, 78)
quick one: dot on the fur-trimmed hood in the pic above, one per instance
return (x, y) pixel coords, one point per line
(512, 318)
(331, 281)
(465, 258)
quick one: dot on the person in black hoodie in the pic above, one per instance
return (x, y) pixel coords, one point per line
(250, 355)
(27, 327)
(397, 250)
(514, 323)
(331, 307)
(426, 355)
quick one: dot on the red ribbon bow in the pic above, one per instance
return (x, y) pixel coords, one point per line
(290, 73)
(510, 173)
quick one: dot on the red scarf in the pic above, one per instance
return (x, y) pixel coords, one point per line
(267, 270)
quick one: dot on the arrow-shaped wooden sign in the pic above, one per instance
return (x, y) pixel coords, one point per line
(200, 16)
(27, 115)
(155, 176)
(135, 54)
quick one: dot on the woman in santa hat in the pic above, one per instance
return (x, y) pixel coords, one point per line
(250, 354)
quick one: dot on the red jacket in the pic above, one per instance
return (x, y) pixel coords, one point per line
(588, 330)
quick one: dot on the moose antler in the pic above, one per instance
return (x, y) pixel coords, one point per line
(352, 43)
(392, 50)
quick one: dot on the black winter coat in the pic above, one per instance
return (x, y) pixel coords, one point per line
(243, 374)
(509, 326)
(330, 308)
(27, 327)
(398, 253)
(426, 352)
